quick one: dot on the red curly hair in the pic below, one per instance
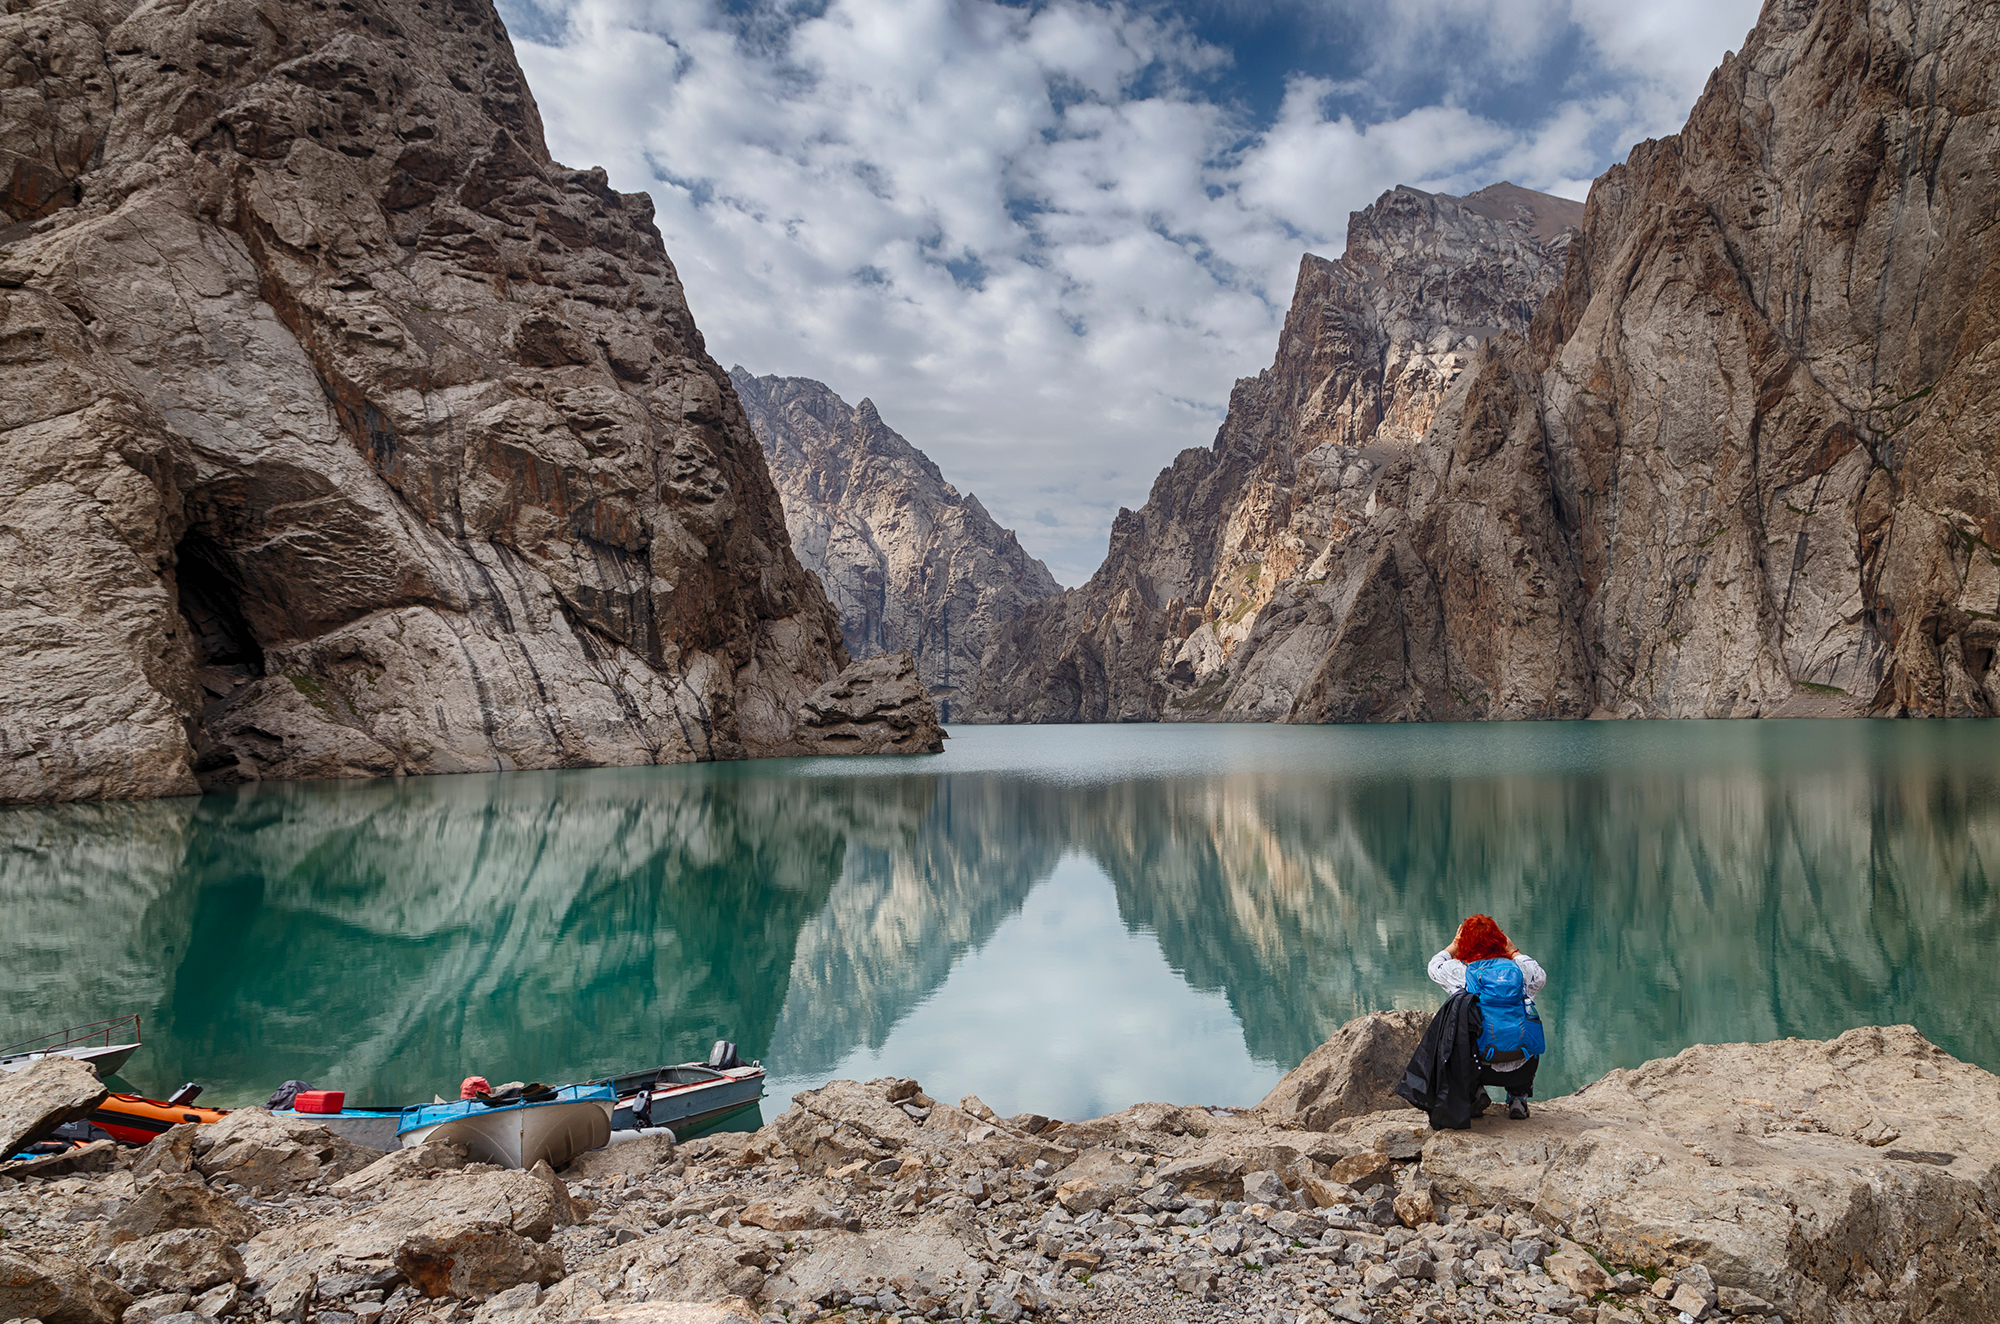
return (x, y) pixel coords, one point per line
(1480, 939)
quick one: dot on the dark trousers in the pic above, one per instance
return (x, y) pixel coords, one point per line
(1519, 1081)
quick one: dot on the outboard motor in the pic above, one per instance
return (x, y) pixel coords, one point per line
(723, 1056)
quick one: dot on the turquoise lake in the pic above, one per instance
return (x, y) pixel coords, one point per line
(1062, 919)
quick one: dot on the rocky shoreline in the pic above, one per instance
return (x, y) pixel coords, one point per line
(1856, 1179)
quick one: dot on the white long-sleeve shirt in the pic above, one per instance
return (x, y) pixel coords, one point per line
(1448, 973)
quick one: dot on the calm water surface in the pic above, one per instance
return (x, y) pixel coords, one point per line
(1068, 919)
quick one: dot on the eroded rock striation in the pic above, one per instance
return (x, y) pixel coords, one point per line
(1371, 347)
(346, 433)
(1743, 464)
(1849, 1181)
(910, 564)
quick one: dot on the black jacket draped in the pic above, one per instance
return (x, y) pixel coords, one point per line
(1444, 1072)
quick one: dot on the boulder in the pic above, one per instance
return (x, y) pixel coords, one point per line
(287, 1262)
(41, 1096)
(1758, 1162)
(419, 1161)
(189, 1259)
(694, 1263)
(519, 1304)
(837, 1259)
(1265, 1187)
(179, 1202)
(1415, 1207)
(778, 1216)
(1574, 1268)
(878, 705)
(633, 1158)
(171, 1152)
(472, 1260)
(152, 1309)
(1352, 1073)
(1363, 1170)
(267, 1153)
(847, 1122)
(57, 1290)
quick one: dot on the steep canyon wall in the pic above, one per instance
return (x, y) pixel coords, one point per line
(343, 432)
(1742, 463)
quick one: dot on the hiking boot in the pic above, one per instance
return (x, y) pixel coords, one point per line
(1481, 1101)
(1517, 1107)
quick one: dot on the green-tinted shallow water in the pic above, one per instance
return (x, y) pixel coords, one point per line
(1068, 919)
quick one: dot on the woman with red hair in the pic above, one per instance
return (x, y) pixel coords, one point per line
(1483, 961)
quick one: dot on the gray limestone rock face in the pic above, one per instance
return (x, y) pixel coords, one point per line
(345, 433)
(909, 563)
(1209, 603)
(1741, 463)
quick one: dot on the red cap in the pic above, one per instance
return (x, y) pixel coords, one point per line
(473, 1086)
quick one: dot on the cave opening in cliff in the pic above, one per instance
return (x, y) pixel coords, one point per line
(223, 647)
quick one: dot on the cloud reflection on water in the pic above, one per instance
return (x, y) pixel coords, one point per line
(1683, 882)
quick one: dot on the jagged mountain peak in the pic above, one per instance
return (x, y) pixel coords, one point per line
(908, 561)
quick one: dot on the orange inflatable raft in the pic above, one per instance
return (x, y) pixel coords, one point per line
(136, 1120)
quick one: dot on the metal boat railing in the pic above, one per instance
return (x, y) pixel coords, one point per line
(97, 1034)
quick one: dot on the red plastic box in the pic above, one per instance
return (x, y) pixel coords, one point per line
(319, 1101)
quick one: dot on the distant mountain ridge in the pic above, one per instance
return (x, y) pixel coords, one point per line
(908, 561)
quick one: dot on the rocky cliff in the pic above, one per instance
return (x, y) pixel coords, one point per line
(346, 433)
(1744, 464)
(909, 563)
(1233, 534)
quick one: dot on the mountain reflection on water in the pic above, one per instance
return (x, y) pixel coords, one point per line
(1050, 917)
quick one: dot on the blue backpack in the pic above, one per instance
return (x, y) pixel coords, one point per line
(1511, 1020)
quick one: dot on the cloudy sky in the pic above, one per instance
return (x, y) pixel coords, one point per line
(1046, 237)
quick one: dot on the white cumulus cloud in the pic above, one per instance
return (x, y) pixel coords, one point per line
(1038, 236)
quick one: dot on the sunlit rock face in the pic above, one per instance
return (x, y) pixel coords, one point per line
(1743, 463)
(1371, 346)
(346, 433)
(909, 563)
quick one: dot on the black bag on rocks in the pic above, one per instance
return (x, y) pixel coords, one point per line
(1444, 1072)
(282, 1097)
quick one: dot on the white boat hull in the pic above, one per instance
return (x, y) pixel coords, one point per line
(521, 1137)
(106, 1058)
